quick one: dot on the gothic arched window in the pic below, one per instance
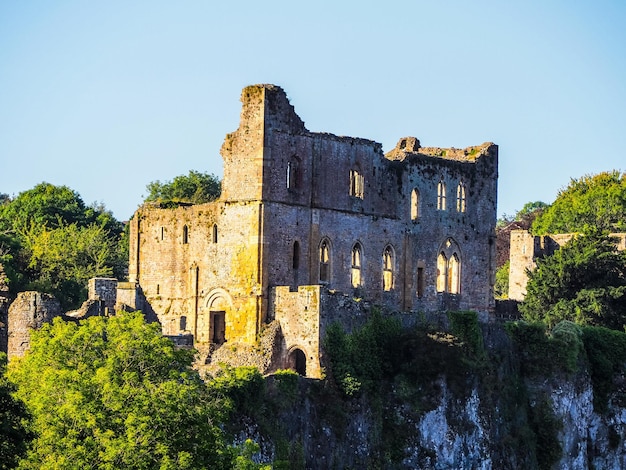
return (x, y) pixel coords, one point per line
(388, 265)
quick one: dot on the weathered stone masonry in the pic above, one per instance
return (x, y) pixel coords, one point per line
(304, 213)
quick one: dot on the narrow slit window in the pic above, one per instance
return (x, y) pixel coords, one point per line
(185, 235)
(420, 282)
(355, 274)
(295, 260)
(415, 200)
(214, 234)
(324, 262)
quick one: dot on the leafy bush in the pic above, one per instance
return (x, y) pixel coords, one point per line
(606, 353)
(535, 345)
(196, 188)
(359, 361)
(244, 387)
(501, 288)
(465, 326)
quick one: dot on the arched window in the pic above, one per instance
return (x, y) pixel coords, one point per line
(324, 261)
(295, 260)
(214, 235)
(356, 183)
(453, 274)
(293, 174)
(415, 201)
(185, 234)
(441, 195)
(449, 268)
(460, 197)
(355, 273)
(442, 263)
(388, 265)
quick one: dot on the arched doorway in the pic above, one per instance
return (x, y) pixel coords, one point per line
(297, 361)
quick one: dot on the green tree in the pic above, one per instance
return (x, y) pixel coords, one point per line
(62, 260)
(51, 241)
(501, 288)
(114, 393)
(583, 282)
(591, 201)
(49, 205)
(196, 188)
(14, 420)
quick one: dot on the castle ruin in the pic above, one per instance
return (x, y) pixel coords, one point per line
(304, 216)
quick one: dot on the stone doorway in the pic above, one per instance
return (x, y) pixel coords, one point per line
(297, 361)
(218, 327)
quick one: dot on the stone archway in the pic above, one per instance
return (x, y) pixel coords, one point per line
(213, 317)
(297, 361)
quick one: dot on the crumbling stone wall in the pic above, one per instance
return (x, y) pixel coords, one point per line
(29, 311)
(286, 191)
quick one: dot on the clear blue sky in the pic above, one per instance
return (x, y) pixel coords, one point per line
(105, 97)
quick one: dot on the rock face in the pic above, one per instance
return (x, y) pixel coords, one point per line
(30, 310)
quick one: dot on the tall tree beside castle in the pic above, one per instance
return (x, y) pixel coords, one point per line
(591, 201)
(52, 242)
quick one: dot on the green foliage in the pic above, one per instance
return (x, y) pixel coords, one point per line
(501, 288)
(51, 241)
(242, 386)
(15, 433)
(606, 352)
(287, 383)
(531, 209)
(244, 461)
(584, 282)
(464, 325)
(591, 201)
(534, 346)
(114, 393)
(360, 361)
(63, 259)
(196, 188)
(49, 205)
